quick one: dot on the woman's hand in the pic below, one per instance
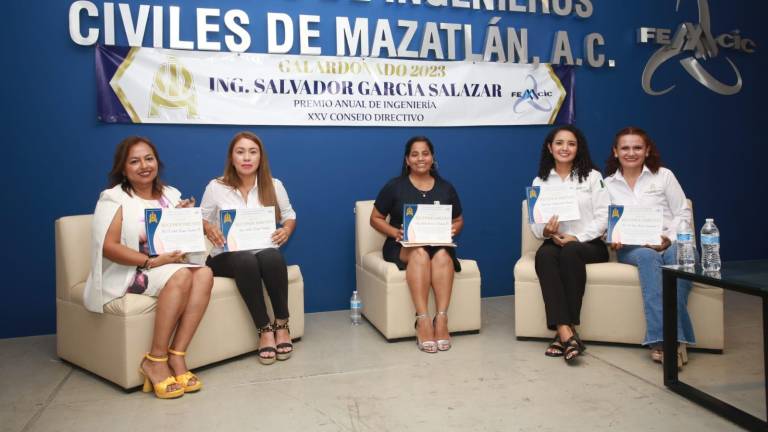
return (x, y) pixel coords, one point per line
(186, 203)
(399, 234)
(280, 236)
(616, 245)
(665, 243)
(551, 228)
(214, 235)
(167, 258)
(563, 239)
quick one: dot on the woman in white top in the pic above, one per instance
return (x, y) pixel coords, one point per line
(121, 265)
(569, 245)
(247, 183)
(636, 177)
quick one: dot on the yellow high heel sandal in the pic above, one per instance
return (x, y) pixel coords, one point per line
(161, 388)
(187, 376)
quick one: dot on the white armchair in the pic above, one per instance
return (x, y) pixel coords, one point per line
(111, 344)
(613, 306)
(384, 292)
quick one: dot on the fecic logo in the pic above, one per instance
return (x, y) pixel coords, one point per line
(533, 97)
(702, 44)
(173, 88)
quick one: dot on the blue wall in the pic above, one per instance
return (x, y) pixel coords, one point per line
(56, 155)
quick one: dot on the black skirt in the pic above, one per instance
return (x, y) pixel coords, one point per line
(391, 252)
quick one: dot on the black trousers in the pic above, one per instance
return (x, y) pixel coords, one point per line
(562, 275)
(248, 270)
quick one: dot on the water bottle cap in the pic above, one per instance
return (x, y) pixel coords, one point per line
(709, 220)
(354, 292)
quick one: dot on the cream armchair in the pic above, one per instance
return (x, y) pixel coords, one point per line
(613, 306)
(384, 292)
(111, 344)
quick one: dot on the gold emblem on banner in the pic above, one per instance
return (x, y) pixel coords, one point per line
(173, 88)
(409, 211)
(227, 218)
(152, 217)
(615, 213)
(533, 193)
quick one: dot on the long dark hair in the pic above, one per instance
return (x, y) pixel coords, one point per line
(652, 161)
(117, 176)
(406, 170)
(582, 163)
(267, 194)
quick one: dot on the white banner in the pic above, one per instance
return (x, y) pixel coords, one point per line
(194, 87)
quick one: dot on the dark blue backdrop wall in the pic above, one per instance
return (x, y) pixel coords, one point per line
(56, 155)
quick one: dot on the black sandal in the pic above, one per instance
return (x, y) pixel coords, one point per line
(285, 355)
(556, 348)
(266, 360)
(574, 347)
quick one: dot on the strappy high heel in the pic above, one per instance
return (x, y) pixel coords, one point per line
(442, 344)
(428, 346)
(187, 376)
(266, 360)
(682, 354)
(574, 348)
(161, 388)
(285, 355)
(555, 348)
(657, 354)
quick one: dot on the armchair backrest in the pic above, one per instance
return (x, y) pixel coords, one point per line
(367, 239)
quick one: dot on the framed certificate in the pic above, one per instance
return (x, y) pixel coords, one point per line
(248, 229)
(427, 225)
(172, 229)
(635, 225)
(547, 201)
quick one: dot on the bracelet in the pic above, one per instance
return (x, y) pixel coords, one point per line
(145, 266)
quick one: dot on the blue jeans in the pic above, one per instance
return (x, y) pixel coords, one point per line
(648, 263)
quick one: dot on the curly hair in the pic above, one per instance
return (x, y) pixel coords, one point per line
(582, 163)
(405, 170)
(652, 161)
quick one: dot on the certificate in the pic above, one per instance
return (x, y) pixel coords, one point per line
(547, 201)
(635, 225)
(174, 229)
(248, 229)
(427, 225)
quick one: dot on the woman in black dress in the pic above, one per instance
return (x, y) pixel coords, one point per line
(429, 266)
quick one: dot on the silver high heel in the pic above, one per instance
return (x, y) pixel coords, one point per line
(428, 346)
(442, 344)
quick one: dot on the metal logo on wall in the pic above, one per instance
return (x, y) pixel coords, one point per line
(696, 38)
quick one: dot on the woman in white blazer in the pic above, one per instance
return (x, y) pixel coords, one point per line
(121, 265)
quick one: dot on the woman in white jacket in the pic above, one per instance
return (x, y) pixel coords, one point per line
(121, 264)
(569, 245)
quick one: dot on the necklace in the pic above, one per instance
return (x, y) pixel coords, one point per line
(422, 192)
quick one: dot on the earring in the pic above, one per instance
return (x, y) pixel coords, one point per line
(434, 164)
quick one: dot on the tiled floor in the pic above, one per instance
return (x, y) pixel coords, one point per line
(345, 378)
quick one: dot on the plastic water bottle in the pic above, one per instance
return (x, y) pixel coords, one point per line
(710, 247)
(355, 308)
(686, 257)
